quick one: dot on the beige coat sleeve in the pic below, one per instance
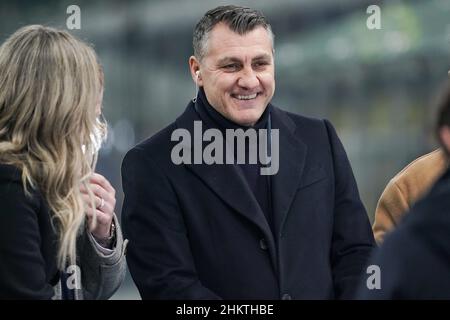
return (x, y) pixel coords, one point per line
(390, 209)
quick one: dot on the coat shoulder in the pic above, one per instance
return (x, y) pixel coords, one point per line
(12, 189)
(159, 140)
(9, 173)
(418, 176)
(301, 123)
(298, 119)
(156, 147)
(312, 131)
(422, 165)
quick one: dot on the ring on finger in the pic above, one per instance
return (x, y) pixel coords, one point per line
(102, 203)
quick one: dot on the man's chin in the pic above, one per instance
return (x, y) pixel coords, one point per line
(246, 119)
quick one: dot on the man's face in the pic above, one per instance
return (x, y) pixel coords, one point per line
(237, 73)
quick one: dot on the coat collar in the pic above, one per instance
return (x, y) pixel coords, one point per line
(226, 180)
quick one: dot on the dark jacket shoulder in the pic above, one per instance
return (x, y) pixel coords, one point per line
(11, 186)
(9, 173)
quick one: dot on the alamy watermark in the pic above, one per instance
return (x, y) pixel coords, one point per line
(374, 280)
(74, 20)
(73, 280)
(374, 20)
(256, 145)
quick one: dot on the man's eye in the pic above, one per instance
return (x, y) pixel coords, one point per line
(260, 64)
(231, 66)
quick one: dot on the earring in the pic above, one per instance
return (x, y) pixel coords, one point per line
(197, 73)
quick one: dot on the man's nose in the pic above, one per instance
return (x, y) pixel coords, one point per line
(248, 79)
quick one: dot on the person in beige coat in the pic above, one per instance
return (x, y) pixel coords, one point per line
(408, 186)
(411, 183)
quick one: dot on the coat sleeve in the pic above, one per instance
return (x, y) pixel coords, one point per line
(159, 255)
(22, 266)
(101, 275)
(352, 240)
(390, 208)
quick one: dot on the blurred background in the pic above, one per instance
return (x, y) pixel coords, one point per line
(378, 87)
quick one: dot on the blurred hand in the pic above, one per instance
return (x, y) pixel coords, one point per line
(104, 209)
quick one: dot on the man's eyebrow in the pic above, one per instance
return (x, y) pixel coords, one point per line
(262, 57)
(226, 60)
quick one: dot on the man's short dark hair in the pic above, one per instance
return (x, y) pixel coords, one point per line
(239, 19)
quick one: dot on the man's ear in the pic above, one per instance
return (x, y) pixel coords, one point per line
(194, 67)
(444, 135)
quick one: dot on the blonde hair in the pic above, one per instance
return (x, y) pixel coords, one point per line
(50, 84)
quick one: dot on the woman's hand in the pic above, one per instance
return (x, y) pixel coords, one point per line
(105, 202)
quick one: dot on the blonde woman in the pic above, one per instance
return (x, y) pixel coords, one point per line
(59, 236)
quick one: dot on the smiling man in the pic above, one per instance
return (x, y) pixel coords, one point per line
(226, 231)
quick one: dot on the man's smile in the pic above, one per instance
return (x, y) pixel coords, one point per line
(245, 97)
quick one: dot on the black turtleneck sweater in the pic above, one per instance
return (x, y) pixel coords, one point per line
(259, 184)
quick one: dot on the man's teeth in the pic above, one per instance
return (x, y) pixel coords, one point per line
(253, 96)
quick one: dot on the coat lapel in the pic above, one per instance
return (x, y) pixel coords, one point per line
(226, 181)
(292, 160)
